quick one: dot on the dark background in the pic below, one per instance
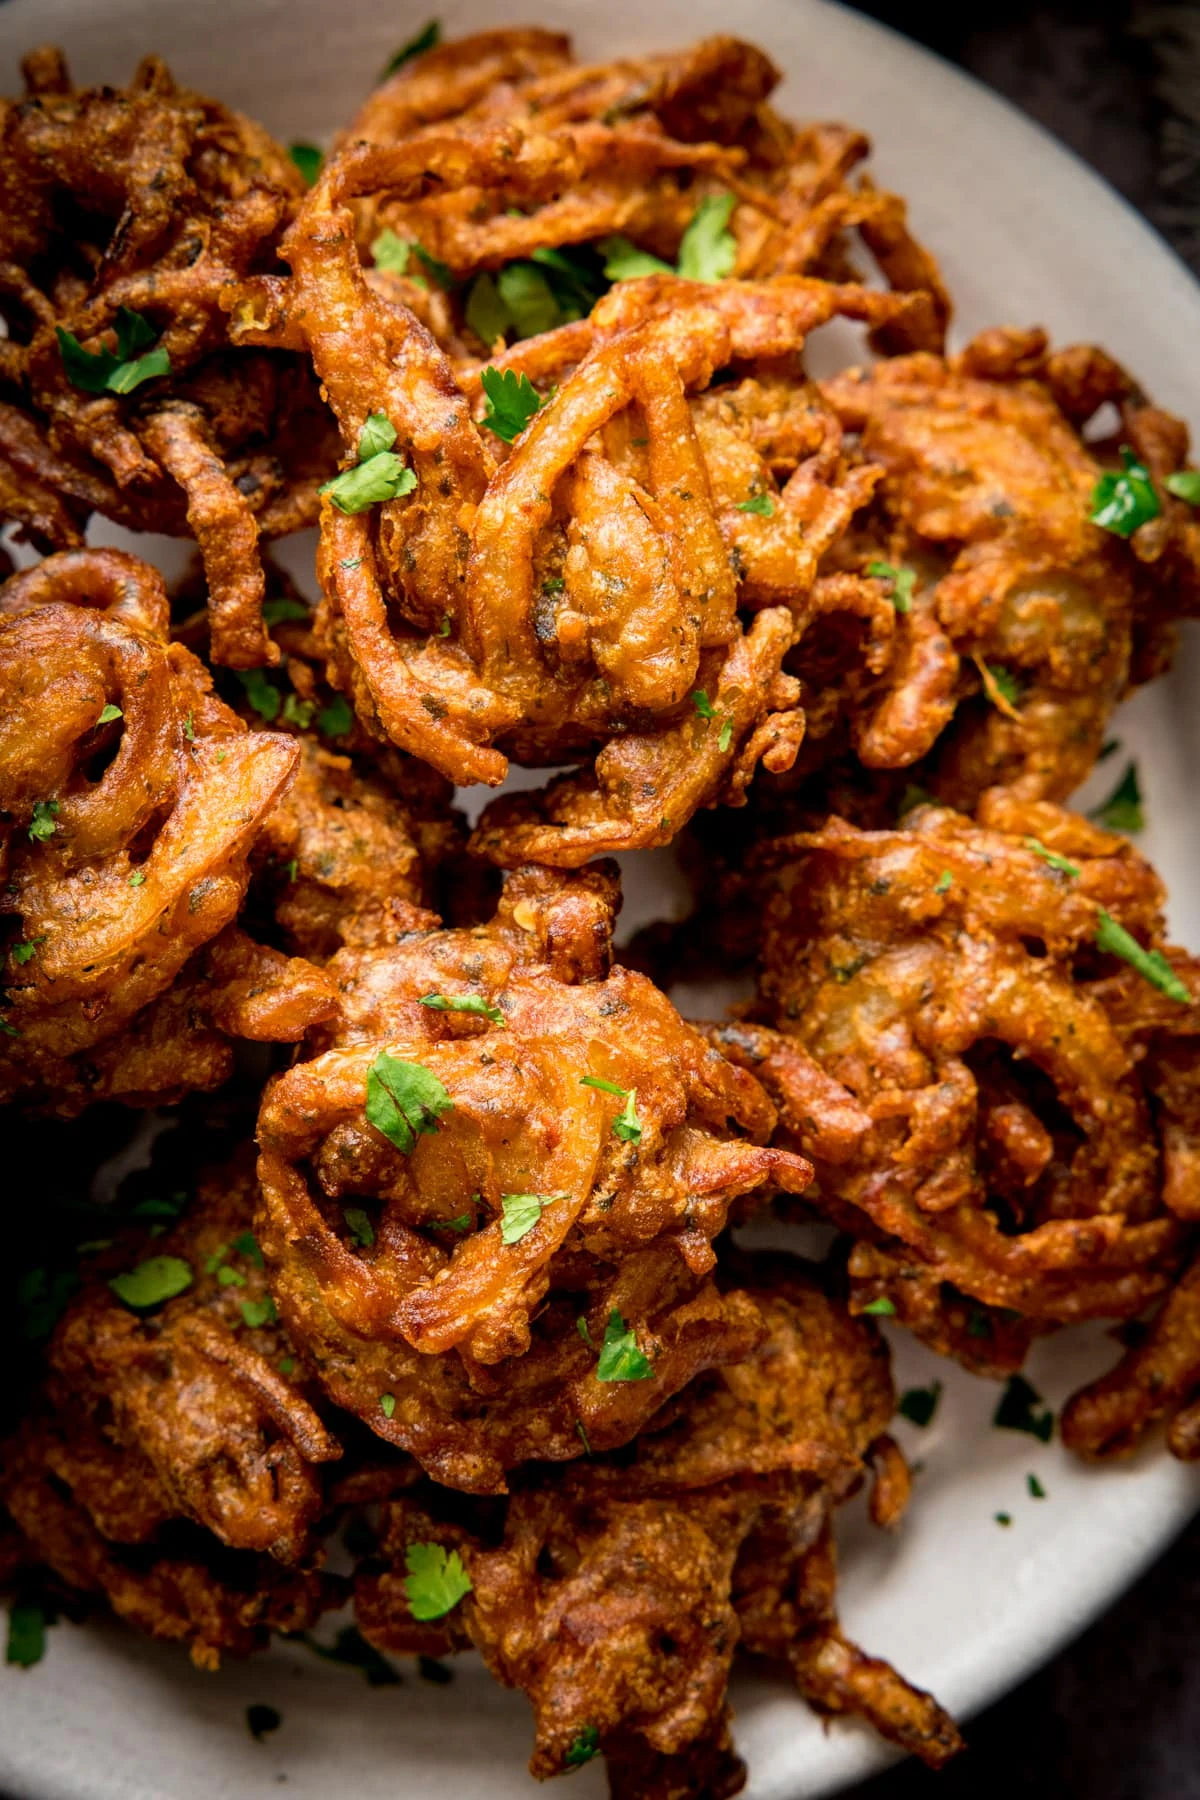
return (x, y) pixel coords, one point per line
(1116, 1716)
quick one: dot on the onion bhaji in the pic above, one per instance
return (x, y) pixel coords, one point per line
(975, 1031)
(615, 1591)
(546, 1151)
(130, 799)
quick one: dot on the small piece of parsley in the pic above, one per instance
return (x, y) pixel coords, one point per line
(920, 1404)
(427, 38)
(42, 825)
(1036, 1490)
(883, 1308)
(1004, 683)
(387, 1405)
(436, 1580)
(762, 504)
(461, 1223)
(1003, 1518)
(583, 1747)
(1114, 940)
(261, 692)
(377, 435)
(902, 578)
(1123, 500)
(308, 159)
(157, 1279)
(137, 879)
(404, 1099)
(620, 1358)
(944, 882)
(605, 1087)
(351, 1649)
(512, 400)
(379, 474)
(23, 953)
(26, 1635)
(1123, 810)
(336, 719)
(109, 713)
(106, 372)
(256, 1313)
(627, 1126)
(1017, 1410)
(708, 250)
(277, 611)
(1185, 485)
(521, 1212)
(464, 1003)
(359, 1225)
(1051, 858)
(623, 261)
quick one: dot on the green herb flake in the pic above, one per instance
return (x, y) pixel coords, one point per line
(581, 1326)
(627, 1126)
(521, 1212)
(404, 1099)
(336, 719)
(352, 1650)
(298, 712)
(246, 1244)
(1052, 859)
(26, 1635)
(261, 692)
(464, 1003)
(919, 1404)
(1185, 485)
(620, 1357)
(109, 713)
(944, 882)
(287, 1365)
(903, 581)
(359, 1225)
(436, 1580)
(256, 1313)
(308, 159)
(106, 372)
(485, 312)
(512, 401)
(605, 1087)
(1123, 810)
(1017, 1410)
(1114, 940)
(703, 704)
(387, 1405)
(762, 504)
(390, 252)
(42, 825)
(377, 435)
(623, 261)
(528, 299)
(157, 1279)
(137, 879)
(283, 610)
(1036, 1490)
(189, 729)
(380, 478)
(1004, 1519)
(229, 1277)
(1121, 501)
(1006, 684)
(261, 1719)
(23, 953)
(461, 1223)
(427, 38)
(883, 1308)
(583, 1747)
(708, 250)
(581, 1428)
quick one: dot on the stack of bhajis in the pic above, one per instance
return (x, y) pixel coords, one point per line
(528, 349)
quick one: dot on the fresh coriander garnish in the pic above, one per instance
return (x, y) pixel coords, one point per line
(42, 825)
(261, 692)
(708, 250)
(708, 712)
(464, 1003)
(23, 953)
(902, 578)
(436, 1580)
(1051, 858)
(391, 252)
(919, 1404)
(287, 1365)
(26, 1645)
(521, 1212)
(1017, 1410)
(1036, 1490)
(581, 1326)
(1151, 964)
(512, 400)
(1123, 810)
(485, 312)
(137, 879)
(230, 1277)
(157, 1279)
(944, 882)
(104, 372)
(620, 1357)
(427, 38)
(351, 1649)
(1003, 688)
(583, 1747)
(261, 1719)
(762, 504)
(605, 1087)
(359, 1225)
(109, 713)
(378, 475)
(387, 1405)
(883, 1308)
(623, 261)
(1121, 501)
(404, 1099)
(1003, 1518)
(276, 612)
(1185, 485)
(308, 159)
(256, 1313)
(246, 1244)
(189, 729)
(627, 1126)
(461, 1223)
(336, 719)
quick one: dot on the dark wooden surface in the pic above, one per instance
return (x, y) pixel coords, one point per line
(1117, 1715)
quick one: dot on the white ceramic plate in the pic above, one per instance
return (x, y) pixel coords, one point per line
(1025, 234)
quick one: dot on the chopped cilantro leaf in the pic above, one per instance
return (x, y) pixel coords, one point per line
(189, 729)
(351, 1648)
(104, 372)
(485, 312)
(298, 712)
(391, 252)
(903, 581)
(287, 1365)
(605, 1087)
(427, 38)
(512, 401)
(26, 1635)
(464, 1003)
(623, 261)
(1151, 964)
(436, 1580)
(708, 250)
(308, 159)
(521, 1213)
(620, 1357)
(1185, 485)
(42, 825)
(762, 504)
(627, 1126)
(275, 612)
(581, 1326)
(882, 1308)
(387, 1405)
(380, 478)
(229, 1277)
(137, 879)
(583, 1747)
(944, 883)
(703, 704)
(336, 719)
(359, 1225)
(157, 1279)
(441, 272)
(261, 1719)
(920, 1404)
(1051, 858)
(261, 692)
(461, 1223)
(528, 299)
(377, 435)
(109, 713)
(1017, 1410)
(1121, 501)
(1001, 681)
(23, 953)
(1123, 810)
(246, 1244)
(404, 1099)
(256, 1313)
(41, 1299)
(1003, 1518)
(1036, 1490)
